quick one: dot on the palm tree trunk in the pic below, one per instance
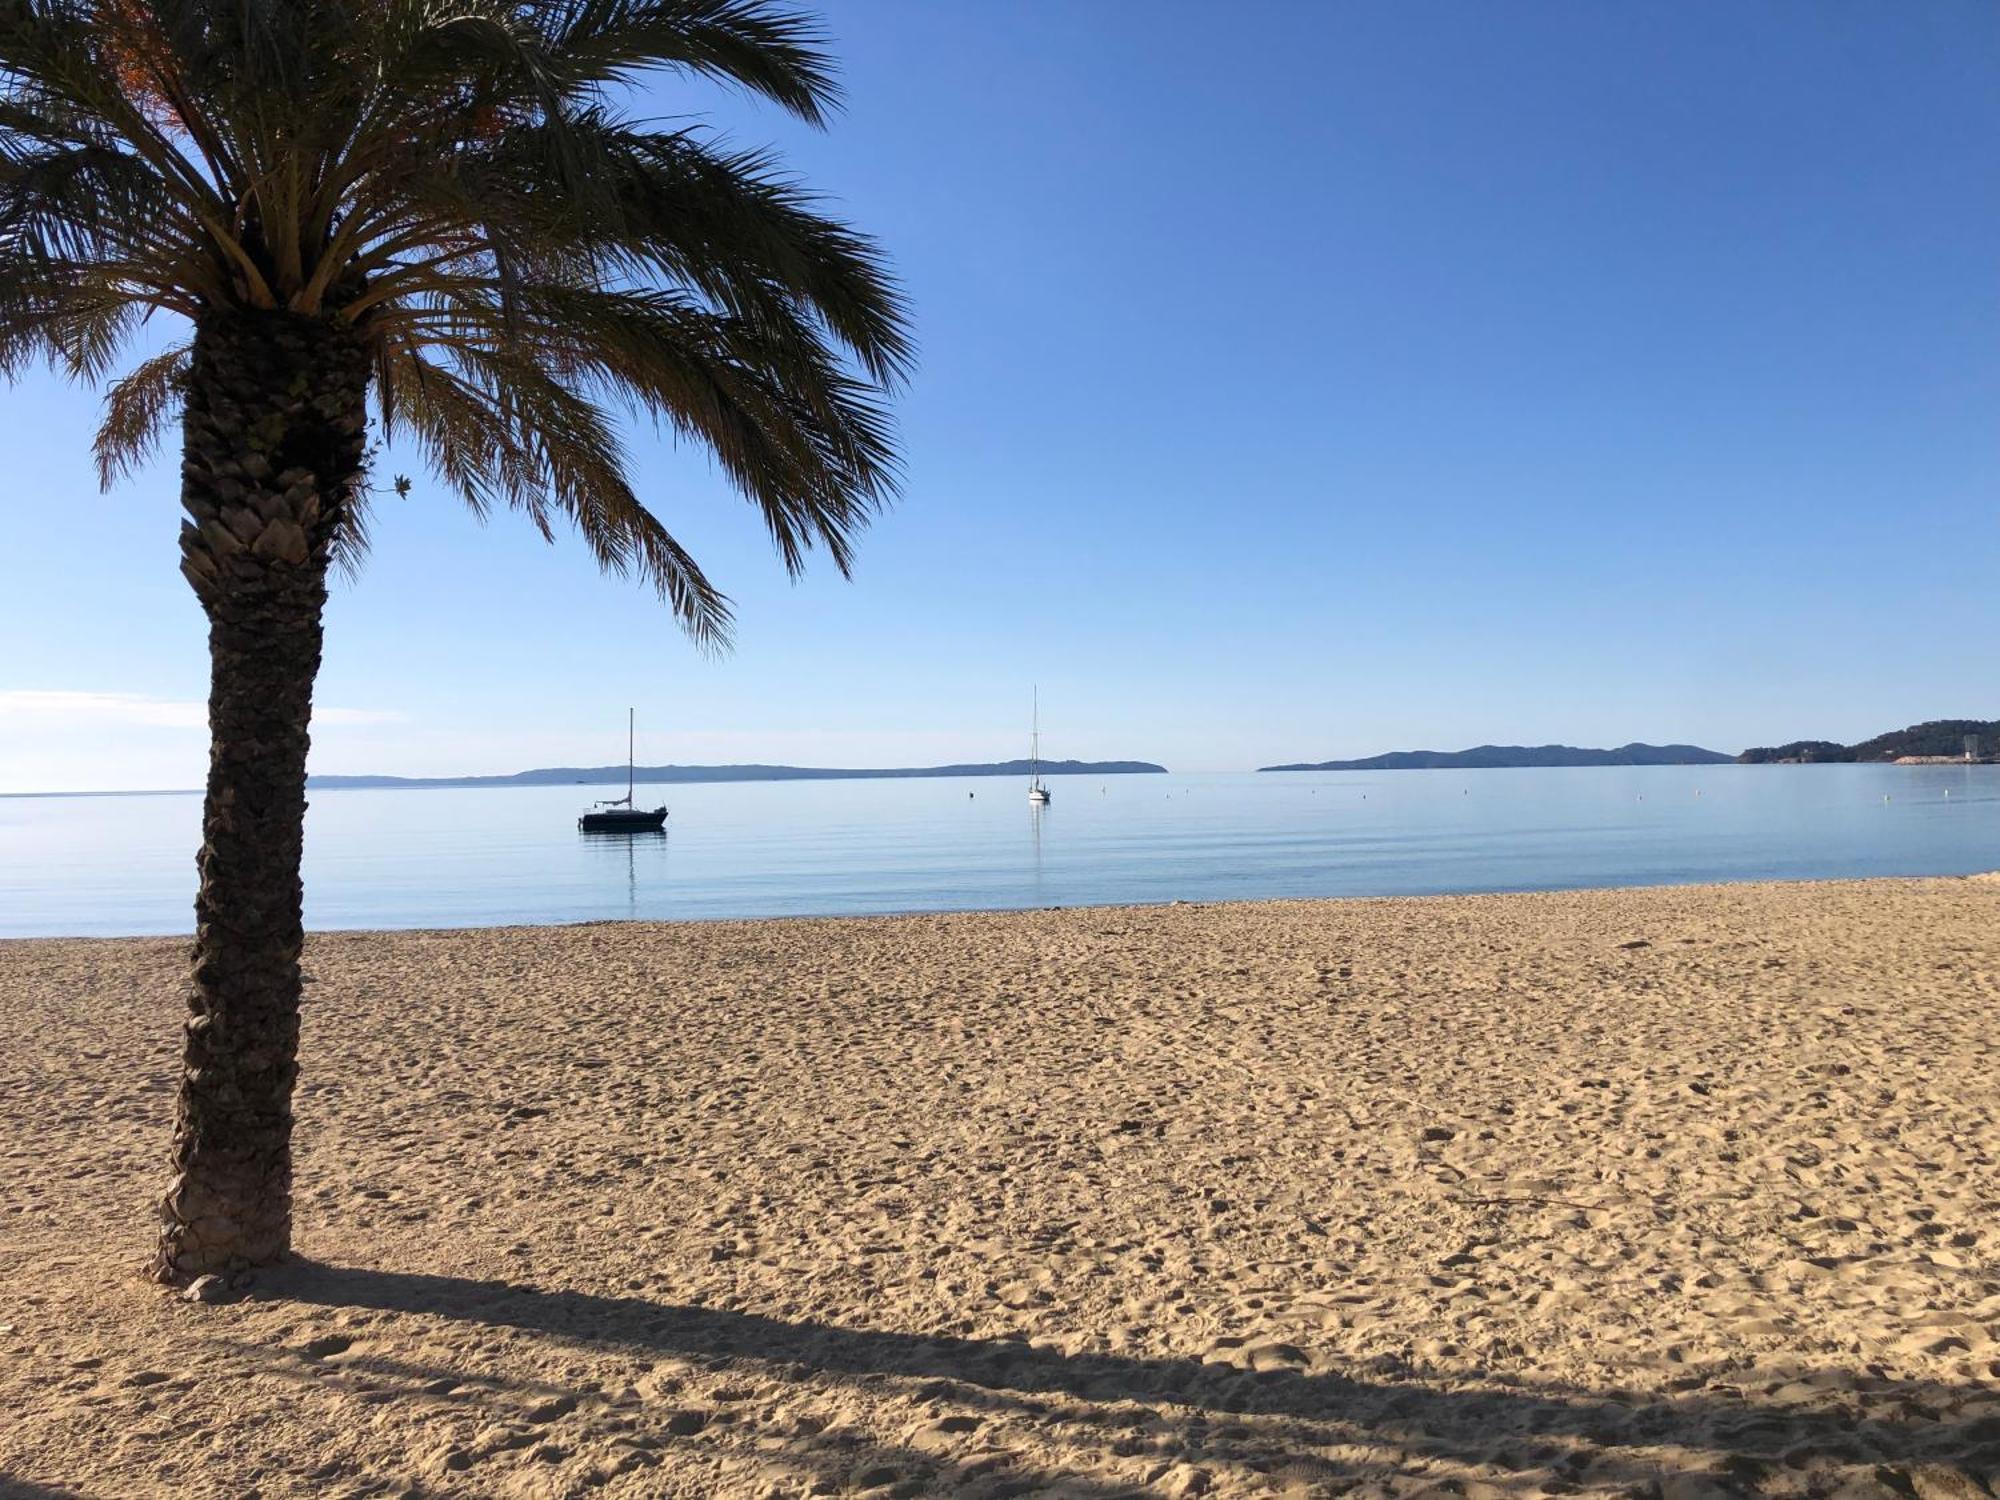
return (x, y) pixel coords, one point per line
(272, 452)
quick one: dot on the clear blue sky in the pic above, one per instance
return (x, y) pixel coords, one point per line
(1298, 380)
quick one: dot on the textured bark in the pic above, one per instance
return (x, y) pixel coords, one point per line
(272, 448)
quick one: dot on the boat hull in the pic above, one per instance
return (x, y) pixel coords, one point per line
(623, 820)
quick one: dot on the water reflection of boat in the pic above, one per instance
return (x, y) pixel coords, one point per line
(617, 814)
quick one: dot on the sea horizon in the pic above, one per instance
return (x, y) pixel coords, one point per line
(388, 858)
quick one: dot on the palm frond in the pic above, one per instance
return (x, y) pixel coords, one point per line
(348, 549)
(504, 430)
(774, 53)
(135, 409)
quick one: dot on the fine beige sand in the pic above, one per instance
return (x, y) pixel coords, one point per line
(1666, 1193)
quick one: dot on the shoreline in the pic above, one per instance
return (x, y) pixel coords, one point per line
(1578, 1192)
(923, 913)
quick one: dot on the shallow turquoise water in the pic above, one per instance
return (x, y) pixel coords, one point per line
(107, 865)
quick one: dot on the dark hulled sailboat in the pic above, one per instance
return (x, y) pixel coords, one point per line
(617, 814)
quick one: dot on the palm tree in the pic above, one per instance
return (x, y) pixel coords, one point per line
(445, 206)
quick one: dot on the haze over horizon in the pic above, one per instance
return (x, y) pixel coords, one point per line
(1443, 376)
(185, 718)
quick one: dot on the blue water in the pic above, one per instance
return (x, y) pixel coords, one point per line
(106, 865)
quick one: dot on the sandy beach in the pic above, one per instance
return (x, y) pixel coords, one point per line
(1676, 1192)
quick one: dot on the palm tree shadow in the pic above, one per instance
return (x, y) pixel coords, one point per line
(12, 1488)
(1336, 1427)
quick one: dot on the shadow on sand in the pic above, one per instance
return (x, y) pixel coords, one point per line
(22, 1489)
(1309, 1433)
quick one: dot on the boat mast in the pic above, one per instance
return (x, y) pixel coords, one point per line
(628, 757)
(1035, 742)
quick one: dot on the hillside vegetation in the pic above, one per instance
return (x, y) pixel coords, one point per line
(1938, 737)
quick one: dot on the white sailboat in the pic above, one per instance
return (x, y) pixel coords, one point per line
(1037, 793)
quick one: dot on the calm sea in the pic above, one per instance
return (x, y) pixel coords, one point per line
(107, 865)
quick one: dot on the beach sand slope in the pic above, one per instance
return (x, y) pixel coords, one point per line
(1678, 1193)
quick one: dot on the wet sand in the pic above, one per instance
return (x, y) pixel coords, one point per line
(1679, 1192)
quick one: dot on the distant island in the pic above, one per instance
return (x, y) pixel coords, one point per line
(1507, 757)
(609, 775)
(1938, 740)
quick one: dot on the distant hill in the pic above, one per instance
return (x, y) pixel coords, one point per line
(610, 775)
(1938, 737)
(1494, 757)
(1797, 750)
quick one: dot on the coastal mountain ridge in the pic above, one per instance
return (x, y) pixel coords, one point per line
(1510, 757)
(650, 775)
(1934, 738)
